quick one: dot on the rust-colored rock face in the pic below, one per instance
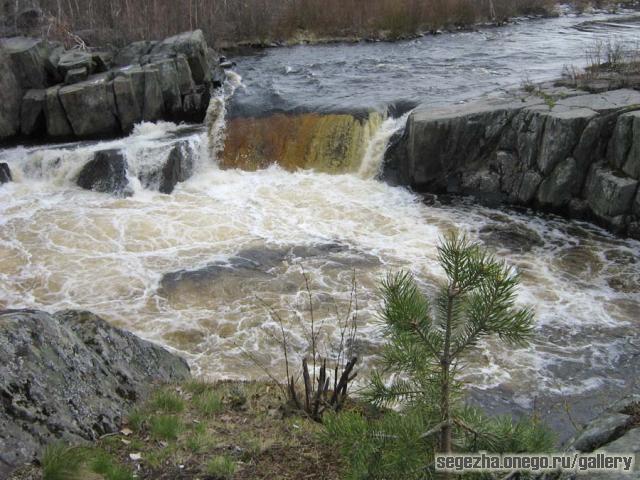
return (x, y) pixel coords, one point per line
(332, 143)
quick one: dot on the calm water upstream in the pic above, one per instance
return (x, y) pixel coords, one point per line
(193, 270)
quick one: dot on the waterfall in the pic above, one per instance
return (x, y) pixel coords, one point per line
(373, 158)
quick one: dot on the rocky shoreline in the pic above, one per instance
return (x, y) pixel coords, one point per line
(558, 150)
(49, 93)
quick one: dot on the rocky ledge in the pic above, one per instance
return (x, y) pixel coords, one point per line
(70, 376)
(558, 150)
(47, 92)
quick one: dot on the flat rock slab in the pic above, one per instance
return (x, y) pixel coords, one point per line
(70, 376)
(604, 102)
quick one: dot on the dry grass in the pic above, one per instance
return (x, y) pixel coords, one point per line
(231, 22)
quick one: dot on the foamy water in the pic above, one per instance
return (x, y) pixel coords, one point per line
(63, 247)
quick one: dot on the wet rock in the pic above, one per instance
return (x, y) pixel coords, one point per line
(177, 168)
(27, 56)
(70, 377)
(106, 173)
(10, 94)
(75, 60)
(513, 236)
(5, 173)
(90, 107)
(193, 46)
(58, 125)
(556, 190)
(32, 113)
(609, 194)
(128, 108)
(76, 75)
(603, 430)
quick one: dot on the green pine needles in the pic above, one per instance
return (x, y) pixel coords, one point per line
(428, 340)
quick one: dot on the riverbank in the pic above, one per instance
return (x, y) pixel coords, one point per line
(264, 23)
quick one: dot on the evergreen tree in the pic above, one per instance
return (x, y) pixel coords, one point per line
(428, 341)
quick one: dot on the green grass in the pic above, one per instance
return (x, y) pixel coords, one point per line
(208, 403)
(221, 466)
(167, 402)
(198, 387)
(102, 463)
(165, 427)
(137, 419)
(60, 462)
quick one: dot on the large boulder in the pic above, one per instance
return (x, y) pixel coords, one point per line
(608, 193)
(106, 173)
(10, 94)
(72, 377)
(91, 107)
(193, 46)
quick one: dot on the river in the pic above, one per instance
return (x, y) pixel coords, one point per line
(196, 270)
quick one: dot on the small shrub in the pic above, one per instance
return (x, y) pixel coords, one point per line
(165, 427)
(167, 402)
(221, 467)
(208, 403)
(60, 462)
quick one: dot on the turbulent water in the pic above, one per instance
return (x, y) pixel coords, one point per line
(197, 270)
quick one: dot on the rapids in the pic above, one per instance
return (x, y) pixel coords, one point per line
(194, 270)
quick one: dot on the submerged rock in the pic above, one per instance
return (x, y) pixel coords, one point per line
(71, 377)
(515, 237)
(106, 173)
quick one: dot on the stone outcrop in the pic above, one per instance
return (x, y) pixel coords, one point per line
(50, 93)
(71, 377)
(563, 151)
